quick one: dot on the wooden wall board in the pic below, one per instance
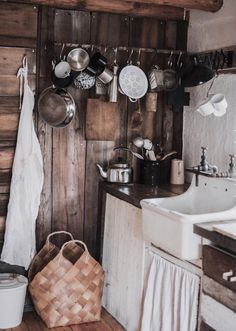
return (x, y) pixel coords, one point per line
(181, 42)
(69, 154)
(97, 152)
(68, 170)
(43, 224)
(11, 59)
(9, 104)
(9, 126)
(105, 30)
(167, 117)
(113, 30)
(5, 179)
(2, 230)
(75, 26)
(6, 157)
(9, 85)
(2, 224)
(18, 25)
(45, 42)
(3, 204)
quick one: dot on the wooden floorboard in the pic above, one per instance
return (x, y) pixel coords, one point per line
(32, 322)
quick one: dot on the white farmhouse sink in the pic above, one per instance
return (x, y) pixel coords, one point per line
(168, 222)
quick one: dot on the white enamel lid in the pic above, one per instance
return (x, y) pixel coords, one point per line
(10, 281)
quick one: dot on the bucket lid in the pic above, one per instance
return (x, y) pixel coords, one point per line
(10, 281)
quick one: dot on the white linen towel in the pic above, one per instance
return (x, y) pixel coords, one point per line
(26, 185)
(171, 298)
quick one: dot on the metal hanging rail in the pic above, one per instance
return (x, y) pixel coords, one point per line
(124, 48)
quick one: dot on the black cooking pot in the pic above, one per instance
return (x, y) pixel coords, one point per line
(61, 82)
(96, 65)
(196, 73)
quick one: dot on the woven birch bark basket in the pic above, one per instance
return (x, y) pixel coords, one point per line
(68, 289)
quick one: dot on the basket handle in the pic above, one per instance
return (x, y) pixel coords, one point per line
(59, 232)
(78, 242)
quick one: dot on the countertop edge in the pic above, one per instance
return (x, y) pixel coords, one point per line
(218, 239)
(134, 193)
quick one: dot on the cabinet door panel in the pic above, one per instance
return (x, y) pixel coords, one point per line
(217, 264)
(123, 261)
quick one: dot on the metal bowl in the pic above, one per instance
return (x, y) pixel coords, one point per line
(78, 59)
(56, 107)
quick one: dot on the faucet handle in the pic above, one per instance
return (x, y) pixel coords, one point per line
(232, 156)
(204, 149)
(232, 170)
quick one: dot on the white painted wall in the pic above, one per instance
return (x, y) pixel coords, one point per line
(210, 31)
(217, 133)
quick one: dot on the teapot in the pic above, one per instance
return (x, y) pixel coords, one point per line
(117, 173)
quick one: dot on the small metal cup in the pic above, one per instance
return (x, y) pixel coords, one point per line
(106, 76)
(156, 79)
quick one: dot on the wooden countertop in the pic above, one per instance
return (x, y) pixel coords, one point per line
(205, 230)
(134, 193)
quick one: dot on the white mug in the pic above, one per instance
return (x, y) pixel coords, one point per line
(177, 172)
(206, 107)
(62, 69)
(220, 104)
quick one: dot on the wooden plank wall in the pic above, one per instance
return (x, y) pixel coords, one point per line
(18, 37)
(69, 198)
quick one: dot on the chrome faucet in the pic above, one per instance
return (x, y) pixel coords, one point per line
(204, 165)
(204, 168)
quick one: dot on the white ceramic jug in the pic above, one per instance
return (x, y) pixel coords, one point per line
(177, 172)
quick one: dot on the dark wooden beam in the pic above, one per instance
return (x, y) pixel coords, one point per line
(132, 8)
(206, 5)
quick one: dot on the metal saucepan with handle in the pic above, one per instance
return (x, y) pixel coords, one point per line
(56, 107)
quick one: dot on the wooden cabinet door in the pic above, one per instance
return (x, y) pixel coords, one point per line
(123, 261)
(220, 266)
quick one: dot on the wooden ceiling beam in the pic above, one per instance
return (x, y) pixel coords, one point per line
(206, 5)
(124, 7)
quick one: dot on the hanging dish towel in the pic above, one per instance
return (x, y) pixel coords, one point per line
(26, 185)
(171, 298)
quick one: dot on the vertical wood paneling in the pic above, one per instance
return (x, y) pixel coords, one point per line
(105, 30)
(70, 193)
(181, 43)
(167, 119)
(43, 225)
(72, 26)
(69, 145)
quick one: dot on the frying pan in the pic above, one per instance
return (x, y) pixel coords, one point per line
(56, 107)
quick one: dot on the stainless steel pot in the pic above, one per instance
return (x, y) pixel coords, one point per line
(117, 173)
(56, 107)
(78, 59)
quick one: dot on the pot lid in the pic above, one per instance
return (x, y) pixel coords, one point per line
(10, 281)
